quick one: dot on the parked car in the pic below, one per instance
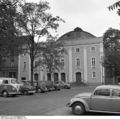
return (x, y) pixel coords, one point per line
(49, 85)
(104, 98)
(26, 88)
(56, 86)
(9, 86)
(41, 87)
(64, 85)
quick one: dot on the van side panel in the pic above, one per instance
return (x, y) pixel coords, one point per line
(1, 88)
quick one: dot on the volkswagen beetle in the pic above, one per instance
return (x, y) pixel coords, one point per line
(104, 98)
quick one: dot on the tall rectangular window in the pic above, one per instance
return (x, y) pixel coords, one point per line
(78, 63)
(62, 64)
(94, 74)
(77, 49)
(93, 62)
(24, 66)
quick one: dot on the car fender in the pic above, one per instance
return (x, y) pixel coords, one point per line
(81, 101)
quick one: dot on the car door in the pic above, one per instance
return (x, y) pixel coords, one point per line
(101, 100)
(116, 100)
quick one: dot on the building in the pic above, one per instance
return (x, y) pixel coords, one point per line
(9, 67)
(82, 63)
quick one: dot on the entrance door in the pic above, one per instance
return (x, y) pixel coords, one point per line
(48, 76)
(63, 77)
(36, 77)
(55, 77)
(78, 77)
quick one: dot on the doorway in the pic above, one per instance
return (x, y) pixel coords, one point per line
(63, 77)
(55, 77)
(78, 77)
(49, 76)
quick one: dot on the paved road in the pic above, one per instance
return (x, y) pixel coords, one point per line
(48, 104)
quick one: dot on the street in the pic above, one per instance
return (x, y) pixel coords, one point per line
(41, 104)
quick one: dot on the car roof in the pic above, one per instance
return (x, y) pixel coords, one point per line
(108, 87)
(6, 78)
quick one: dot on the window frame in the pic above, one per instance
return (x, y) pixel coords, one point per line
(92, 48)
(115, 95)
(93, 62)
(93, 74)
(102, 92)
(62, 63)
(77, 50)
(78, 63)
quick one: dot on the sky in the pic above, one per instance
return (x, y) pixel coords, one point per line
(92, 16)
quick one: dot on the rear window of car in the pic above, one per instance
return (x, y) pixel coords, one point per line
(116, 92)
(102, 92)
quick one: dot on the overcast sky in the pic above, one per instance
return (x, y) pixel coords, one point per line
(91, 15)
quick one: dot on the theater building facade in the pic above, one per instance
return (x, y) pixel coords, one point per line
(81, 63)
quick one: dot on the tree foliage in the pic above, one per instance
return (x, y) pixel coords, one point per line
(52, 53)
(7, 27)
(111, 42)
(116, 5)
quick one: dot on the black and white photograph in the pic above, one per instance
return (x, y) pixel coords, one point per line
(59, 58)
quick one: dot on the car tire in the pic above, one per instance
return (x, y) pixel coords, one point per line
(78, 108)
(5, 94)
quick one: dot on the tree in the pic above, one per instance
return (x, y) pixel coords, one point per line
(35, 21)
(52, 53)
(111, 43)
(7, 27)
(116, 5)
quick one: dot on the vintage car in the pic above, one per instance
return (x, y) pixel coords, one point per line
(105, 98)
(64, 85)
(26, 88)
(41, 87)
(57, 86)
(49, 85)
(9, 86)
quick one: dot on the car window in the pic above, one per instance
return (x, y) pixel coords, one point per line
(102, 92)
(13, 81)
(5, 81)
(116, 93)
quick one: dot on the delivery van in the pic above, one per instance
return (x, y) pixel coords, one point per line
(9, 86)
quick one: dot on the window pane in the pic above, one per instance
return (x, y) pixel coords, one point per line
(116, 93)
(102, 92)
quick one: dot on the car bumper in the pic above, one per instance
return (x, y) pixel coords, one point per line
(68, 104)
(14, 93)
(31, 91)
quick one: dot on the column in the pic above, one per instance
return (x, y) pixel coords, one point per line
(70, 65)
(85, 64)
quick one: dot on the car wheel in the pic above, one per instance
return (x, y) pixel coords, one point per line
(78, 109)
(4, 93)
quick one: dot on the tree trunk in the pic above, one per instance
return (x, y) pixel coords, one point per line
(32, 58)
